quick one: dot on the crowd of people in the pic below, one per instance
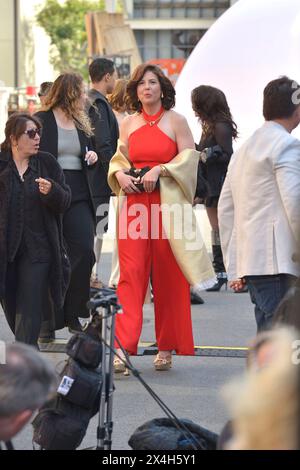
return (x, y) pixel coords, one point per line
(123, 144)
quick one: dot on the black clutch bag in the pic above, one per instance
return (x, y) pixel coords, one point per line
(139, 173)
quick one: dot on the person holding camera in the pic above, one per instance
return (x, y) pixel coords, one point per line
(153, 137)
(218, 131)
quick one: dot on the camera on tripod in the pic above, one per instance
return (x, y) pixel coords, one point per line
(85, 384)
(103, 298)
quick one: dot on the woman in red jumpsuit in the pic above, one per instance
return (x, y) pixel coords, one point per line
(154, 135)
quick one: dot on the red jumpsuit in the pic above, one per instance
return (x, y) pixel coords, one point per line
(144, 257)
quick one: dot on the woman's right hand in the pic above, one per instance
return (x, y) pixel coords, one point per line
(126, 183)
(237, 285)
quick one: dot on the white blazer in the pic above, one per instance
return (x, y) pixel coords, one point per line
(259, 207)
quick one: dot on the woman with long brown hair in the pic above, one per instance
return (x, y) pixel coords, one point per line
(67, 135)
(218, 131)
(157, 139)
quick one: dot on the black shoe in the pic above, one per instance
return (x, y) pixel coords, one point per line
(74, 326)
(196, 299)
(221, 281)
(46, 337)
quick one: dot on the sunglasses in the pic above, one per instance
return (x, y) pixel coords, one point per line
(33, 132)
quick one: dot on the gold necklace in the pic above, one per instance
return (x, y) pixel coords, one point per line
(152, 122)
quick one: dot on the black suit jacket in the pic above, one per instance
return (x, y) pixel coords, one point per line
(49, 143)
(105, 139)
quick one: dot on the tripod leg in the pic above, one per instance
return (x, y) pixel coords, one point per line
(110, 375)
(101, 432)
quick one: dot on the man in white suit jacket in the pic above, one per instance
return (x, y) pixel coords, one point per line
(259, 207)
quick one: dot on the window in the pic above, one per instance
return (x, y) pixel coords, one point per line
(180, 8)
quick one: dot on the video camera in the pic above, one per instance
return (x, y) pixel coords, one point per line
(62, 423)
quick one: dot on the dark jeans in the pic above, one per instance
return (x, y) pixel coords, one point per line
(266, 293)
(26, 297)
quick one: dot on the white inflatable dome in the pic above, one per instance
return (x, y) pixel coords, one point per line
(254, 42)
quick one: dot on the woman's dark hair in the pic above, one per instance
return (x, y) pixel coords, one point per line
(168, 91)
(210, 105)
(281, 98)
(16, 126)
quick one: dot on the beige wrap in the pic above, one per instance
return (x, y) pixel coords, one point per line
(178, 188)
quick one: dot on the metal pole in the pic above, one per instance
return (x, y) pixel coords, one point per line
(109, 414)
(16, 42)
(101, 432)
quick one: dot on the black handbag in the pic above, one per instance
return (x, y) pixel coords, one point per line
(139, 173)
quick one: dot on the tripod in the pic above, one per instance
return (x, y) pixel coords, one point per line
(107, 302)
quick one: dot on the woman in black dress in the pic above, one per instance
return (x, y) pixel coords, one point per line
(218, 131)
(34, 267)
(67, 135)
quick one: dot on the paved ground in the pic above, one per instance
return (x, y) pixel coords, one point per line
(192, 388)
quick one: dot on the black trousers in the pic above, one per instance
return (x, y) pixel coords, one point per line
(79, 229)
(26, 296)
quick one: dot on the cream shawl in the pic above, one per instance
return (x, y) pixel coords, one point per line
(177, 191)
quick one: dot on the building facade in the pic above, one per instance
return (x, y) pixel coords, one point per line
(170, 29)
(24, 47)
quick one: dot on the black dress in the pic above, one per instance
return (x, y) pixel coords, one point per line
(215, 168)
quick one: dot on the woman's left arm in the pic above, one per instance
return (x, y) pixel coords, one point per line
(223, 150)
(58, 199)
(183, 134)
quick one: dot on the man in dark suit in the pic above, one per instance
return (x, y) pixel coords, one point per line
(106, 133)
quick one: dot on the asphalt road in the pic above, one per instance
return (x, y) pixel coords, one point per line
(192, 389)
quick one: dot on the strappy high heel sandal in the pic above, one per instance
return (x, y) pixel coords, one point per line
(119, 366)
(162, 363)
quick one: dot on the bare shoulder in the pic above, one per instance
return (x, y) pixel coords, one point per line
(127, 121)
(126, 127)
(177, 120)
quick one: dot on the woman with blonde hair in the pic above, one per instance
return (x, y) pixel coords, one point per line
(67, 135)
